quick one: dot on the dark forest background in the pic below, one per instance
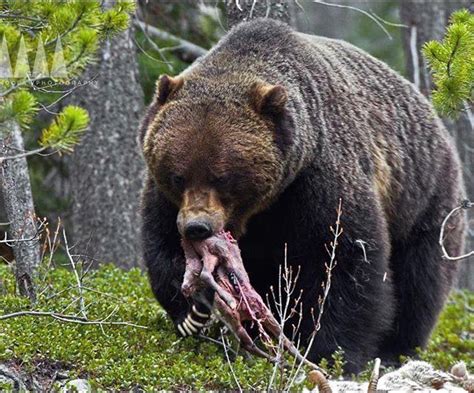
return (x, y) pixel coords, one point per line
(95, 191)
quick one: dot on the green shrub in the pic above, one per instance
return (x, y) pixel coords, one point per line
(116, 356)
(453, 337)
(123, 357)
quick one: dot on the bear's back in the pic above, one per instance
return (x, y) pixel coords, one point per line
(348, 107)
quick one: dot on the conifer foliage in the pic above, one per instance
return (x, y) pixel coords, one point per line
(48, 43)
(452, 64)
(45, 46)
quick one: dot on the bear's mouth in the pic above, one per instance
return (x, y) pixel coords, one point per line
(216, 263)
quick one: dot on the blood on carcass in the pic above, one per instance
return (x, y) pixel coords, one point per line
(216, 262)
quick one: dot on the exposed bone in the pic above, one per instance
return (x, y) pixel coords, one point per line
(374, 377)
(318, 378)
(237, 301)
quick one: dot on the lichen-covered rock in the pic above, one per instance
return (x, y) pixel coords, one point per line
(77, 385)
(10, 380)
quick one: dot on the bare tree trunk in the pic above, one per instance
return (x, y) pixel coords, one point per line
(243, 10)
(426, 20)
(106, 168)
(19, 208)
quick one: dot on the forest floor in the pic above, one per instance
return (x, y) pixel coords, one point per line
(143, 351)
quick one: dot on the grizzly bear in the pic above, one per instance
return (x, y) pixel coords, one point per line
(262, 137)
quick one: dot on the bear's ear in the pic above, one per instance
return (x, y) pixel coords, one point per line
(268, 99)
(166, 86)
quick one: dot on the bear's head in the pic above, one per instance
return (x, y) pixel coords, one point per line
(216, 151)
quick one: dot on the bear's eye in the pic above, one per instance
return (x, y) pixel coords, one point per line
(177, 182)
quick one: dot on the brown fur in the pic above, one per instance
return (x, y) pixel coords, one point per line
(244, 160)
(264, 135)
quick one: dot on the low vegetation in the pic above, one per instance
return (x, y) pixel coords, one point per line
(152, 356)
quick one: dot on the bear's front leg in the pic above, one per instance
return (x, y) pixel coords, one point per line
(189, 315)
(165, 262)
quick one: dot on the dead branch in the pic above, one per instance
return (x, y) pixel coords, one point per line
(22, 155)
(284, 310)
(69, 318)
(33, 238)
(369, 15)
(62, 316)
(189, 51)
(464, 205)
(330, 266)
(156, 48)
(82, 308)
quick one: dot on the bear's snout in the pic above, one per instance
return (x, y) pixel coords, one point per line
(197, 230)
(201, 214)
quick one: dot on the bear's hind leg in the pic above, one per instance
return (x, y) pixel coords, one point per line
(422, 280)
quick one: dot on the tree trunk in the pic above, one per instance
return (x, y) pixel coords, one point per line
(106, 168)
(426, 20)
(243, 10)
(19, 208)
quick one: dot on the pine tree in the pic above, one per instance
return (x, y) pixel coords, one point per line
(45, 45)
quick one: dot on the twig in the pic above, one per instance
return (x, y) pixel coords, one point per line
(76, 274)
(358, 10)
(388, 23)
(163, 59)
(155, 47)
(70, 91)
(192, 50)
(283, 307)
(68, 318)
(237, 4)
(39, 230)
(6, 15)
(332, 263)
(67, 31)
(212, 340)
(252, 8)
(22, 155)
(43, 314)
(337, 232)
(464, 205)
(30, 82)
(53, 247)
(229, 362)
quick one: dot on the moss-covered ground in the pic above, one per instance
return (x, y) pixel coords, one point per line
(123, 357)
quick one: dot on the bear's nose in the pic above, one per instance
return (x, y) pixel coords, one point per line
(197, 230)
